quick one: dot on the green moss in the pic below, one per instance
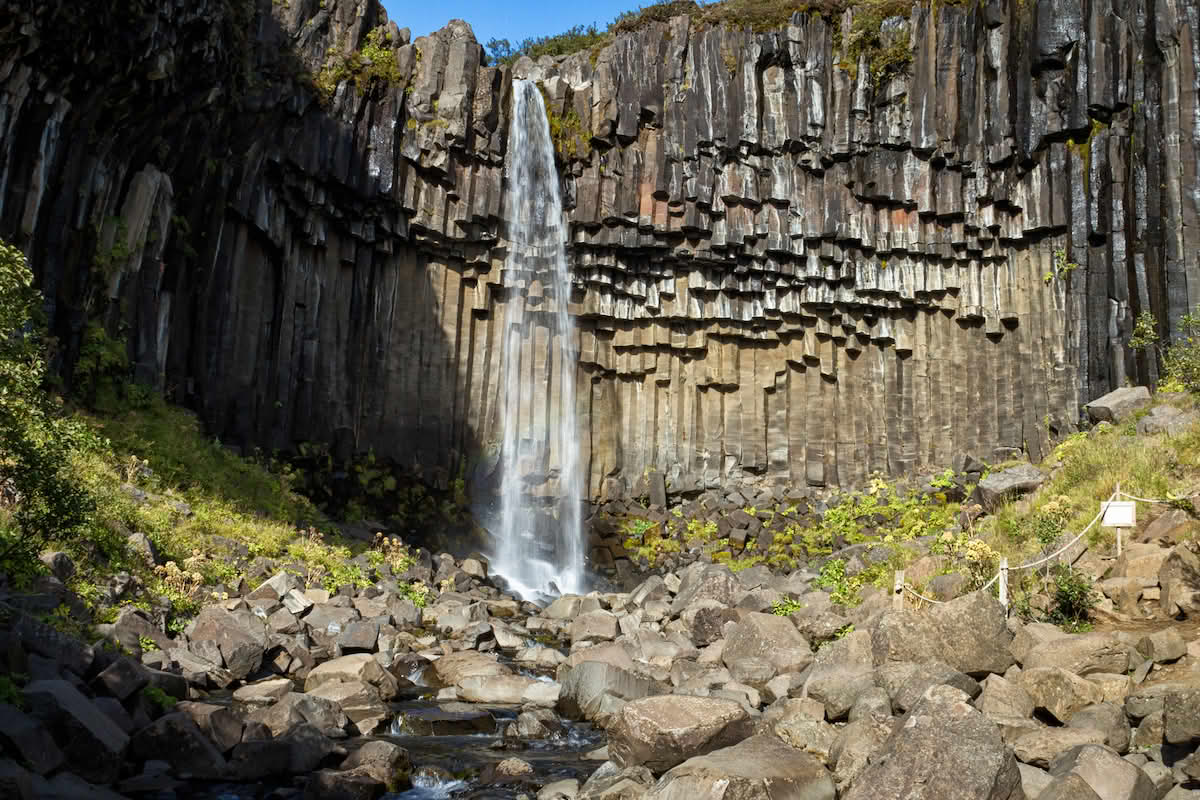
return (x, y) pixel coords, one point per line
(374, 64)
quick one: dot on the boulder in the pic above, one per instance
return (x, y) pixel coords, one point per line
(841, 671)
(295, 709)
(386, 762)
(1058, 692)
(1179, 579)
(1167, 419)
(453, 669)
(932, 673)
(1081, 654)
(660, 732)
(27, 737)
(610, 782)
(1002, 697)
(240, 646)
(92, 743)
(359, 701)
(263, 692)
(356, 667)
(1181, 717)
(1162, 646)
(815, 736)
(1067, 787)
(594, 690)
(855, 745)
(354, 784)
(759, 768)
(1109, 719)
(1042, 746)
(1118, 404)
(1006, 484)
(220, 724)
(1110, 776)
(508, 689)
(944, 749)
(970, 633)
(594, 626)
(178, 740)
(710, 582)
(770, 637)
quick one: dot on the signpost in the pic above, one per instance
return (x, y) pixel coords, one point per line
(1119, 514)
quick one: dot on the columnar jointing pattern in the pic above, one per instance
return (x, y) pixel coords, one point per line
(785, 267)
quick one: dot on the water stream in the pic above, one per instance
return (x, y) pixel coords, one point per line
(540, 550)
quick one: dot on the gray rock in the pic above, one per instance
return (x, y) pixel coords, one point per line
(1110, 776)
(1002, 697)
(1082, 654)
(1118, 404)
(841, 672)
(359, 701)
(1181, 717)
(856, 744)
(970, 633)
(177, 739)
(1040, 747)
(595, 691)
(1162, 646)
(1006, 484)
(759, 768)
(241, 648)
(769, 637)
(295, 709)
(1068, 787)
(932, 673)
(219, 724)
(92, 743)
(1107, 718)
(1167, 419)
(386, 762)
(611, 782)
(1058, 692)
(360, 667)
(27, 737)
(944, 749)
(660, 732)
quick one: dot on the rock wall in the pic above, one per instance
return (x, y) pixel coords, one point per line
(786, 268)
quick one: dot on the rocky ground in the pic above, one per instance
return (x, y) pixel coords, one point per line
(700, 690)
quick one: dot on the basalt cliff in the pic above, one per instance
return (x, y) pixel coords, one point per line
(786, 268)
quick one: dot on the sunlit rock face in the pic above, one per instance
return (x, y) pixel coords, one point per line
(784, 267)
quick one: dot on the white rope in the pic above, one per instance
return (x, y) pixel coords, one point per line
(1065, 547)
(920, 596)
(1158, 502)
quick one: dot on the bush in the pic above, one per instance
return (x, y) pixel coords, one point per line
(36, 441)
(1074, 598)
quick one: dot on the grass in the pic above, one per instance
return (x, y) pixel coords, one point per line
(210, 515)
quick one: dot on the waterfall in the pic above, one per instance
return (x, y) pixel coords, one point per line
(539, 546)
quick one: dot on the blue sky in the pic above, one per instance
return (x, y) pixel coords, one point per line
(506, 19)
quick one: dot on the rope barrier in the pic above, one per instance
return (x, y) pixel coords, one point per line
(1040, 561)
(1158, 502)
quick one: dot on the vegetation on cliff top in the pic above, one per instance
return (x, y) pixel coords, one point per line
(886, 50)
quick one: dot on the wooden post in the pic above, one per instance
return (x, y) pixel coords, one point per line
(898, 591)
(1004, 582)
(1119, 541)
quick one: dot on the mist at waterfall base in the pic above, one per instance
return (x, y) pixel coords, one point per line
(538, 547)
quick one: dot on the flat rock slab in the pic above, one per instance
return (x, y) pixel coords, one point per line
(93, 744)
(1006, 484)
(759, 768)
(1118, 404)
(661, 732)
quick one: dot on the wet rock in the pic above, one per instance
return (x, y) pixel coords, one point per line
(448, 719)
(611, 782)
(660, 732)
(386, 762)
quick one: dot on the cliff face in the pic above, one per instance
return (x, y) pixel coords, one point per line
(785, 266)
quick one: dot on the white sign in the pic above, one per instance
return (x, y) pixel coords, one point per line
(1119, 514)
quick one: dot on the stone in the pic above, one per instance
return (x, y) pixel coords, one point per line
(263, 692)
(1006, 484)
(565, 789)
(1068, 787)
(219, 724)
(295, 709)
(59, 563)
(1042, 746)
(1167, 419)
(944, 749)
(386, 762)
(453, 669)
(595, 691)
(27, 737)
(759, 768)
(91, 742)
(970, 633)
(359, 701)
(1181, 717)
(1034, 781)
(660, 732)
(842, 671)
(359, 636)
(1162, 646)
(1118, 404)
(1179, 579)
(1082, 654)
(1002, 697)
(514, 689)
(177, 739)
(932, 673)
(855, 746)
(594, 626)
(1110, 776)
(1108, 718)
(122, 678)
(1058, 692)
(770, 637)
(360, 667)
(327, 784)
(610, 782)
(241, 649)
(813, 736)
(707, 583)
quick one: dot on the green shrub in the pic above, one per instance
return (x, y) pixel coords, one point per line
(786, 607)
(1073, 599)
(36, 440)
